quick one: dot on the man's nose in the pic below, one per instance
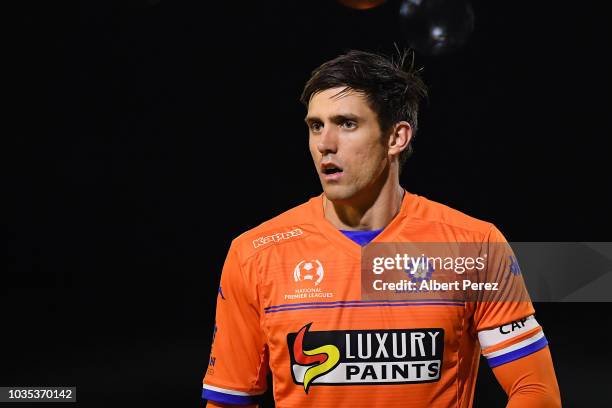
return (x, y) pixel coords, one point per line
(328, 142)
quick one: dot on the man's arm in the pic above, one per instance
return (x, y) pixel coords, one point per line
(509, 335)
(530, 381)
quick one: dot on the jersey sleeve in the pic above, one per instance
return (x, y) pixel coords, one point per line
(238, 362)
(504, 319)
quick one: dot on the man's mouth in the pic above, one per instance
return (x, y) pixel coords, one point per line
(331, 171)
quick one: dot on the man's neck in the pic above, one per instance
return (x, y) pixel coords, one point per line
(365, 214)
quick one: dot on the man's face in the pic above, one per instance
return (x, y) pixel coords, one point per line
(346, 144)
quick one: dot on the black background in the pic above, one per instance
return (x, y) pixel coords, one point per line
(149, 136)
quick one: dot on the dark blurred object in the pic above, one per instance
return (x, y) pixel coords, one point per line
(361, 4)
(136, 4)
(436, 27)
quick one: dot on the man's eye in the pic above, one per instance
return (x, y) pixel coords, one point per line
(349, 124)
(315, 127)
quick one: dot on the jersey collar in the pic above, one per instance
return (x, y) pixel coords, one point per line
(388, 234)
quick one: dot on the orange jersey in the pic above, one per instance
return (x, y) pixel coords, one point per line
(291, 301)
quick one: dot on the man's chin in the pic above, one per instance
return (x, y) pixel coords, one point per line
(338, 193)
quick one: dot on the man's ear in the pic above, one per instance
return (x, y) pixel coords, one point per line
(400, 138)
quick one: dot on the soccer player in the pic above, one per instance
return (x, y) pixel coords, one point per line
(292, 300)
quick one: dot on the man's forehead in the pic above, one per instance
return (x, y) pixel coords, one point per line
(340, 98)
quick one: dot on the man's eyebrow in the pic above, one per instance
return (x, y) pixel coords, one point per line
(311, 119)
(344, 117)
(335, 119)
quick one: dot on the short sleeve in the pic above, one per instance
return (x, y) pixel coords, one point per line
(510, 301)
(507, 329)
(238, 362)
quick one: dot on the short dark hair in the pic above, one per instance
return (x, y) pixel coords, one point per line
(392, 89)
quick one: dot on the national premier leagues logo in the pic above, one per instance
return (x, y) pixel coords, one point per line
(308, 275)
(309, 271)
(351, 357)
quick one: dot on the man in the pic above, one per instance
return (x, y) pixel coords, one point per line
(292, 298)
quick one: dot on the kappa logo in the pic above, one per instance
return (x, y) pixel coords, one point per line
(304, 271)
(279, 236)
(358, 357)
(515, 269)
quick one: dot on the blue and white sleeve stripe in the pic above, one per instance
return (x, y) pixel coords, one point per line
(518, 350)
(227, 396)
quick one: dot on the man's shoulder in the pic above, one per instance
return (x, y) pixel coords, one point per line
(293, 224)
(431, 211)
